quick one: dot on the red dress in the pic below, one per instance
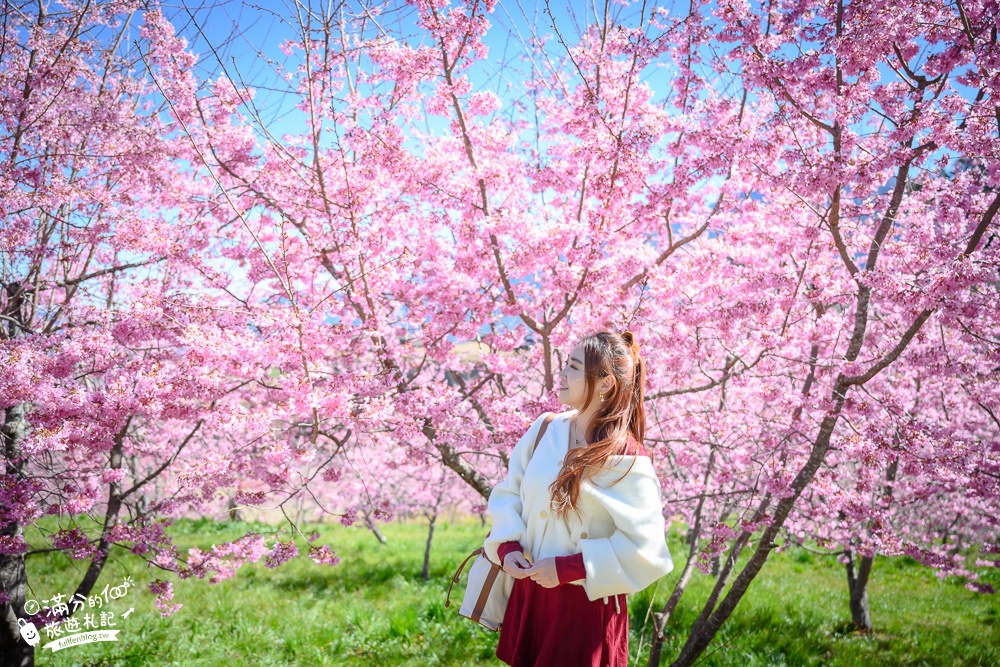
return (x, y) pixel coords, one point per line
(561, 626)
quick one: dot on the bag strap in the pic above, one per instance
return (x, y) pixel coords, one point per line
(458, 573)
(538, 438)
(484, 594)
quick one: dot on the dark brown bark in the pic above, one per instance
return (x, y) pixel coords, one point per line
(14, 651)
(858, 573)
(451, 458)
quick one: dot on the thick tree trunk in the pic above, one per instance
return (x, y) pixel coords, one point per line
(857, 582)
(14, 651)
(425, 573)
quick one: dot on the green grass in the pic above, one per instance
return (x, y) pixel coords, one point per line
(373, 609)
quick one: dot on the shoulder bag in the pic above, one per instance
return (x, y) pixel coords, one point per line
(488, 590)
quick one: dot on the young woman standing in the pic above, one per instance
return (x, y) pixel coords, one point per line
(579, 522)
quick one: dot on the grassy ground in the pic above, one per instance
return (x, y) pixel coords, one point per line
(373, 609)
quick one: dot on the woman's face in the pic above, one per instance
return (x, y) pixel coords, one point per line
(572, 381)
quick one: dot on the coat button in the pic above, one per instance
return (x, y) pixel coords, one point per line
(543, 514)
(583, 536)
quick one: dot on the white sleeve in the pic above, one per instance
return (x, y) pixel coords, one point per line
(636, 554)
(504, 505)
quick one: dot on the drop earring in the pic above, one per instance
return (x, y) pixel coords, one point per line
(602, 397)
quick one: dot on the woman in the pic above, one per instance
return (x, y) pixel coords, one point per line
(579, 522)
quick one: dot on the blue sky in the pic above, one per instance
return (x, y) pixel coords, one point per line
(246, 34)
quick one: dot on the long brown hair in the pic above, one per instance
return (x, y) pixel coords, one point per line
(622, 415)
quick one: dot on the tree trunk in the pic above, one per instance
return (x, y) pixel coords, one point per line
(712, 616)
(372, 526)
(426, 572)
(661, 619)
(13, 578)
(14, 651)
(451, 458)
(859, 573)
(857, 583)
(235, 514)
(716, 566)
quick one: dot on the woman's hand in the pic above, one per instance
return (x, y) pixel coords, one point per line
(515, 565)
(544, 573)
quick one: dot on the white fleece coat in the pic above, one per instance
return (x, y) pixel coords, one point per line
(621, 533)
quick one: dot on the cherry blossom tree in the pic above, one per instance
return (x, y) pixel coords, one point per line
(914, 479)
(750, 145)
(867, 244)
(123, 376)
(800, 231)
